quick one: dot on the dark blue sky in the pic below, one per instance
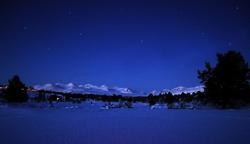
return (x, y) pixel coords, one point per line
(143, 45)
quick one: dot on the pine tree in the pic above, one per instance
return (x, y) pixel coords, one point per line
(226, 84)
(16, 91)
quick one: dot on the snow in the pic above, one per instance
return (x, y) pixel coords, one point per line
(88, 89)
(155, 92)
(105, 90)
(179, 90)
(68, 123)
(123, 90)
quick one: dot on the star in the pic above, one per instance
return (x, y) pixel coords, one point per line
(142, 41)
(237, 8)
(25, 28)
(70, 12)
(203, 34)
(81, 35)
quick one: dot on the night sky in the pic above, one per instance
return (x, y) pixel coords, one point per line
(144, 45)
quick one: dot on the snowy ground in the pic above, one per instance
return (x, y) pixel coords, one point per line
(88, 124)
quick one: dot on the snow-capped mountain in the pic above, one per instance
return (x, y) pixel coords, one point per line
(88, 89)
(179, 90)
(105, 90)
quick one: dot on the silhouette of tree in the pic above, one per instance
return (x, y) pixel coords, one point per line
(152, 99)
(16, 91)
(41, 96)
(169, 98)
(226, 84)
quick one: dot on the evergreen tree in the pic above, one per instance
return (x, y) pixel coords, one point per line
(16, 91)
(41, 96)
(170, 98)
(226, 84)
(151, 99)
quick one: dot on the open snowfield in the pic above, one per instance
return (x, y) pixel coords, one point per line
(89, 124)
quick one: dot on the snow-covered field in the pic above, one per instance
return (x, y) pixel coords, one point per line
(88, 124)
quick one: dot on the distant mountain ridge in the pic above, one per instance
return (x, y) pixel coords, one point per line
(179, 90)
(89, 89)
(105, 90)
